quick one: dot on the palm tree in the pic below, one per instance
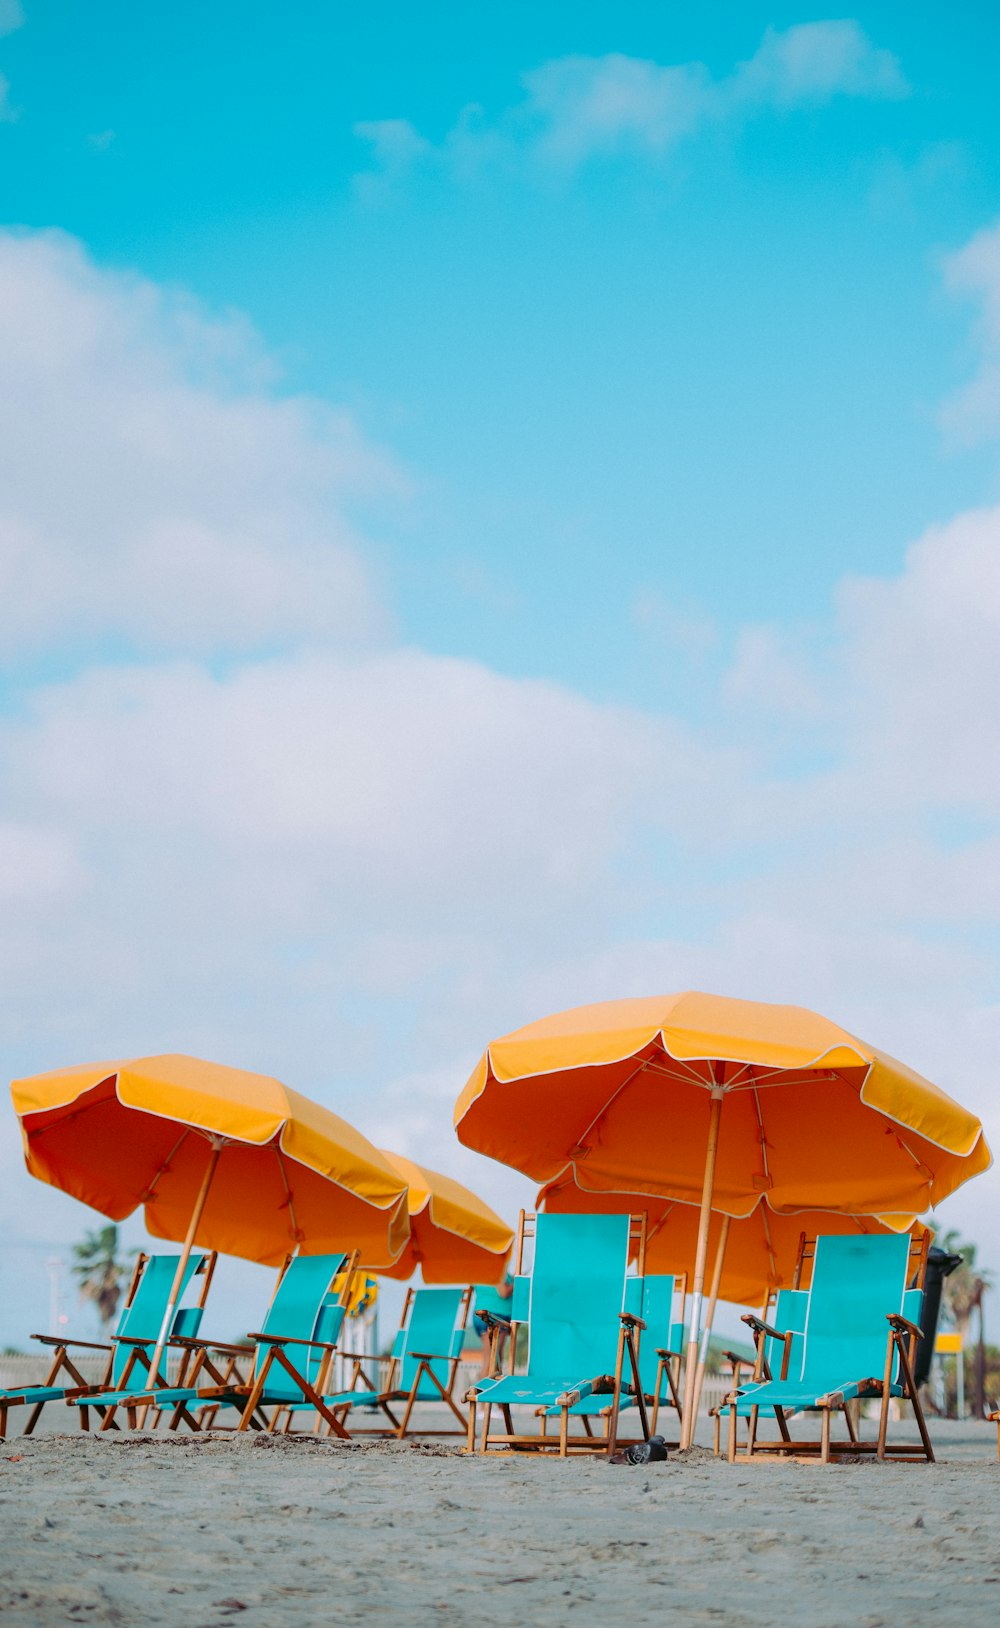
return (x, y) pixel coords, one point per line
(101, 1271)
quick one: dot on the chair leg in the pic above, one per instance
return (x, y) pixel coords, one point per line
(752, 1431)
(731, 1444)
(563, 1431)
(487, 1412)
(470, 1438)
(824, 1449)
(33, 1419)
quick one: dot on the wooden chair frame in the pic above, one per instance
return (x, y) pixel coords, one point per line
(230, 1389)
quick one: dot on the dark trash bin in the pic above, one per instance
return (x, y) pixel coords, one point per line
(939, 1264)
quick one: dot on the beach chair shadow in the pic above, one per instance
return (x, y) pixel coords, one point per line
(858, 1341)
(423, 1364)
(131, 1345)
(582, 1339)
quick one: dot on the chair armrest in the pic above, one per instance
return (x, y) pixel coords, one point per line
(735, 1358)
(58, 1339)
(194, 1342)
(213, 1345)
(492, 1319)
(430, 1356)
(902, 1325)
(143, 1339)
(760, 1327)
(628, 1320)
(664, 1354)
(290, 1339)
(362, 1356)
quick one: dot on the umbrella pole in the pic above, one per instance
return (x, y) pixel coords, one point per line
(701, 1255)
(185, 1256)
(713, 1301)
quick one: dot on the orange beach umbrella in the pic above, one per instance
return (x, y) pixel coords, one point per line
(454, 1236)
(718, 1102)
(216, 1156)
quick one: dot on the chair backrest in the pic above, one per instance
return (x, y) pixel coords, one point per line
(434, 1322)
(574, 1295)
(301, 1309)
(791, 1308)
(857, 1281)
(142, 1317)
(652, 1299)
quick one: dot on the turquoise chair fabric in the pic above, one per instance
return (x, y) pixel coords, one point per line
(572, 1299)
(433, 1325)
(301, 1308)
(857, 1282)
(651, 1299)
(142, 1318)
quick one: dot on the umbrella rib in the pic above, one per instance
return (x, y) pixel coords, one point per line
(763, 1138)
(580, 1146)
(682, 1069)
(770, 1243)
(151, 1189)
(296, 1234)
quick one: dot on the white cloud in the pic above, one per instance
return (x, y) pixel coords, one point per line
(154, 487)
(580, 107)
(354, 864)
(973, 414)
(11, 16)
(813, 62)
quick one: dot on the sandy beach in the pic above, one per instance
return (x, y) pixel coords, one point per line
(266, 1530)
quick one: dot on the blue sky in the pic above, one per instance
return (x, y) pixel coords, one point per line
(499, 511)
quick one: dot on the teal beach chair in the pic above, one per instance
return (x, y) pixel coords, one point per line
(773, 1353)
(131, 1345)
(857, 1341)
(579, 1330)
(423, 1363)
(291, 1356)
(658, 1301)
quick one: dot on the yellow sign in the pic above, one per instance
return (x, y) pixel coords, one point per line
(948, 1344)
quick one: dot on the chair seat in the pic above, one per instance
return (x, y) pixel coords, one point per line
(796, 1397)
(600, 1402)
(520, 1390)
(358, 1399)
(30, 1394)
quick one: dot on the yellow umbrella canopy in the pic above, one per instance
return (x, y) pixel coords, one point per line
(283, 1173)
(454, 1236)
(760, 1251)
(812, 1116)
(717, 1101)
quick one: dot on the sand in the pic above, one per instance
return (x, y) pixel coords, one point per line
(269, 1531)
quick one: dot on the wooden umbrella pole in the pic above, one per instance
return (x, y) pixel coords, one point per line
(185, 1256)
(701, 1255)
(713, 1301)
